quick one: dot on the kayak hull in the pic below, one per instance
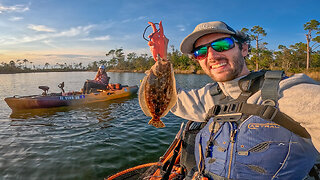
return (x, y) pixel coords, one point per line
(72, 99)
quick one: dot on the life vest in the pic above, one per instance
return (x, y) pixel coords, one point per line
(252, 141)
(103, 79)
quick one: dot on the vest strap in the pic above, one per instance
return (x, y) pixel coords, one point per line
(272, 113)
(270, 88)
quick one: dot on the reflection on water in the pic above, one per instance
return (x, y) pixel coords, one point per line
(82, 142)
(37, 113)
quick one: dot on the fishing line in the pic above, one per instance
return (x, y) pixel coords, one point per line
(144, 32)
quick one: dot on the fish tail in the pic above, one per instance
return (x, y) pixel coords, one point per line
(156, 122)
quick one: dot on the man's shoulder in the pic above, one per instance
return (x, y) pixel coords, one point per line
(297, 79)
(205, 90)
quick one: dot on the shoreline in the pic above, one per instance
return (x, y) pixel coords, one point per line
(110, 70)
(175, 71)
(314, 74)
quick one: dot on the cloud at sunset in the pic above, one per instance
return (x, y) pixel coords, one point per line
(40, 28)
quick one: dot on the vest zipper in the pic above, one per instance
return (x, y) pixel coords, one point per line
(232, 141)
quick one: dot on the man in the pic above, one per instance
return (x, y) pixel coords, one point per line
(100, 81)
(239, 137)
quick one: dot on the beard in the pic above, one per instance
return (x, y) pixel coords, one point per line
(236, 64)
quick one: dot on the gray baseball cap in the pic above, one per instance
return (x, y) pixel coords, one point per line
(201, 30)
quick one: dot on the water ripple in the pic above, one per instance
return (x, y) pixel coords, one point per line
(83, 142)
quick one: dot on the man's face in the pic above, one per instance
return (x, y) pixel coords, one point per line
(226, 65)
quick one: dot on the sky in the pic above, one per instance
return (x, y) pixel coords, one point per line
(74, 31)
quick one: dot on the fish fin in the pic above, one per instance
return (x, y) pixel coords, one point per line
(156, 123)
(141, 97)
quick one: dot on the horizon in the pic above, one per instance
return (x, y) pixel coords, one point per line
(56, 31)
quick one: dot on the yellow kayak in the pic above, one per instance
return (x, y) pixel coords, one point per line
(67, 99)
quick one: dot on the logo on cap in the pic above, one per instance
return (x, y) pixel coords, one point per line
(205, 26)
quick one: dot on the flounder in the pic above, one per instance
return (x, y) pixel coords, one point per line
(157, 93)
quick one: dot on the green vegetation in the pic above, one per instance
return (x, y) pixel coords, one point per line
(299, 57)
(23, 66)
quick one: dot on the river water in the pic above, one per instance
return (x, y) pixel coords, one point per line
(83, 142)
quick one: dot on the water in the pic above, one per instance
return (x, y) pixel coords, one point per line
(84, 142)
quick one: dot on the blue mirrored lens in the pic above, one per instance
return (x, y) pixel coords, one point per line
(219, 45)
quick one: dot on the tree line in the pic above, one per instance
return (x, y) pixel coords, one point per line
(20, 66)
(298, 57)
(295, 58)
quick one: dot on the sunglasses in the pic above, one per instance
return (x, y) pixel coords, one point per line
(218, 45)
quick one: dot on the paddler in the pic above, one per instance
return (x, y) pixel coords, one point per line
(100, 81)
(251, 125)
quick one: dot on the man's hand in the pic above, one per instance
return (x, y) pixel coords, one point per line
(158, 42)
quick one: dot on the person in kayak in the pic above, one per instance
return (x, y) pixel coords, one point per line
(245, 125)
(100, 81)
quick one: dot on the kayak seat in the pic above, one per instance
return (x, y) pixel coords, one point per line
(94, 90)
(45, 90)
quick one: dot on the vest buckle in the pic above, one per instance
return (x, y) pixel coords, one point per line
(269, 112)
(227, 112)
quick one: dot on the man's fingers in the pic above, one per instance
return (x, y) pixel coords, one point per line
(160, 28)
(150, 36)
(150, 43)
(154, 28)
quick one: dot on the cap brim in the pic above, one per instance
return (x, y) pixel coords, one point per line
(188, 42)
